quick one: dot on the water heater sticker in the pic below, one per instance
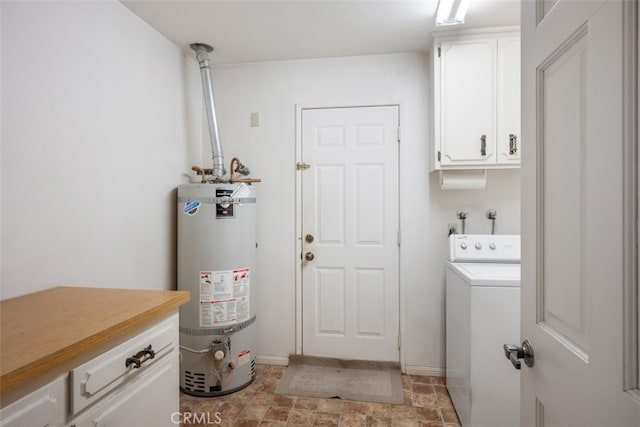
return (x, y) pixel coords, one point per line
(241, 292)
(244, 358)
(222, 285)
(206, 286)
(242, 308)
(191, 207)
(206, 314)
(241, 192)
(224, 312)
(241, 283)
(224, 210)
(224, 296)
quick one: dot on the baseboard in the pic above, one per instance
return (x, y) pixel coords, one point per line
(431, 371)
(272, 360)
(330, 362)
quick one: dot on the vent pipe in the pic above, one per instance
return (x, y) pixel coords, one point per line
(202, 50)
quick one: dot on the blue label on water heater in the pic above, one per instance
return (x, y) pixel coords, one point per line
(191, 207)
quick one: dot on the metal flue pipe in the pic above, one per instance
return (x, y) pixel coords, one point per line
(202, 50)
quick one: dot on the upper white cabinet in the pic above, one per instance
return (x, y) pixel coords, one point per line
(476, 101)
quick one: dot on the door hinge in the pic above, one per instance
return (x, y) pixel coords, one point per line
(399, 342)
(398, 133)
(399, 237)
(302, 166)
(439, 52)
(439, 156)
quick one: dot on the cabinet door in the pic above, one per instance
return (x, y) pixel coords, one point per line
(467, 102)
(43, 407)
(508, 137)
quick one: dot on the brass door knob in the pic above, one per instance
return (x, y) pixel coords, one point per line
(309, 256)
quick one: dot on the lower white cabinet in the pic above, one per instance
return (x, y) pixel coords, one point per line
(43, 407)
(135, 383)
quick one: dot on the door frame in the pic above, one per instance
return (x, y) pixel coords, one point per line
(299, 108)
(631, 197)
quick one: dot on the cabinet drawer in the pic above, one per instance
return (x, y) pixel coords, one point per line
(43, 407)
(150, 400)
(99, 376)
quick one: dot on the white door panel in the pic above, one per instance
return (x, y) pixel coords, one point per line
(464, 89)
(350, 289)
(573, 209)
(508, 100)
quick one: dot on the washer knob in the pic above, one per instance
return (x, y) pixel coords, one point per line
(478, 246)
(492, 246)
(463, 245)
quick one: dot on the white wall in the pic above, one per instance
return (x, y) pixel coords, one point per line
(101, 119)
(273, 89)
(97, 115)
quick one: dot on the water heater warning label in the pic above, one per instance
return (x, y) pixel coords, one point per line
(224, 296)
(244, 358)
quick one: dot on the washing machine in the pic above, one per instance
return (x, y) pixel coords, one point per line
(483, 313)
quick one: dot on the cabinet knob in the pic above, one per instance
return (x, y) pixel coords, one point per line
(483, 145)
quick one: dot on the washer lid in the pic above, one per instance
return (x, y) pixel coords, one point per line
(488, 274)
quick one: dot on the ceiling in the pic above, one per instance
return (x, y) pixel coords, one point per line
(267, 30)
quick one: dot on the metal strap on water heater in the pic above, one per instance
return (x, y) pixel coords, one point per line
(222, 330)
(219, 200)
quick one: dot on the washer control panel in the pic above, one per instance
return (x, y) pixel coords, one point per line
(484, 248)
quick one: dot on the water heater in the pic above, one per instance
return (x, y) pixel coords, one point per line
(216, 260)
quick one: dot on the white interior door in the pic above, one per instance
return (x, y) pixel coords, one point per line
(350, 289)
(577, 255)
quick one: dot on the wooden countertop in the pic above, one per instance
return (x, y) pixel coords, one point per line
(41, 331)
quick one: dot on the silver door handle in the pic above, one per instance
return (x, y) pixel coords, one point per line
(515, 353)
(513, 144)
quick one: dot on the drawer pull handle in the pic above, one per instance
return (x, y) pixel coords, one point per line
(140, 357)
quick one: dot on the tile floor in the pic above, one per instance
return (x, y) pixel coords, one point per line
(426, 404)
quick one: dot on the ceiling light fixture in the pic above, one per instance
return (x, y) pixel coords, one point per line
(451, 12)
